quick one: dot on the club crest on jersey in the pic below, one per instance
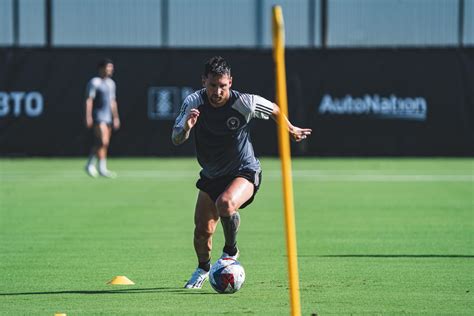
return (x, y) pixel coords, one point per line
(233, 123)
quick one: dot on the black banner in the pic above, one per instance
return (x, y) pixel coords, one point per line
(360, 102)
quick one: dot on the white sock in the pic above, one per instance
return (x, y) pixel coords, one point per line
(103, 165)
(92, 160)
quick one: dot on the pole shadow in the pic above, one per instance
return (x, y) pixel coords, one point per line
(425, 256)
(95, 292)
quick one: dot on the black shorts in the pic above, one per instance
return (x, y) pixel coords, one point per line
(215, 187)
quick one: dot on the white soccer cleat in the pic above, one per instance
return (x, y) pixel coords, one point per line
(226, 255)
(92, 171)
(197, 279)
(108, 174)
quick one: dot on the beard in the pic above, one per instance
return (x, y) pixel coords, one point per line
(217, 99)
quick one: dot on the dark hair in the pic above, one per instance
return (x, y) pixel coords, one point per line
(104, 62)
(217, 65)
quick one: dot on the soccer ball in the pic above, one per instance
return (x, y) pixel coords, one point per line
(227, 276)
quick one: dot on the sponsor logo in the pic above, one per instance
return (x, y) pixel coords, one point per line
(19, 103)
(164, 103)
(391, 107)
(233, 123)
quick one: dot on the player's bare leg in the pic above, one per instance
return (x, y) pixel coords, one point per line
(91, 167)
(237, 193)
(97, 151)
(104, 132)
(205, 221)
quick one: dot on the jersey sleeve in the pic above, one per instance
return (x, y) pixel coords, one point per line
(112, 89)
(192, 101)
(263, 108)
(256, 106)
(91, 89)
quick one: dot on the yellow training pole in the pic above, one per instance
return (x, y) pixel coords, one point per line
(285, 157)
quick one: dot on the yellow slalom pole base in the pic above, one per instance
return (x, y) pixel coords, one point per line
(120, 280)
(60, 314)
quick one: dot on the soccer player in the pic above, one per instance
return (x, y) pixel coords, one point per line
(230, 175)
(101, 115)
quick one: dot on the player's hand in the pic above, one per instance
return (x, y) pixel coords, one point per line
(299, 134)
(191, 119)
(89, 122)
(116, 123)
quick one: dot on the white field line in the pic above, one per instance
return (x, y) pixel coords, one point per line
(300, 175)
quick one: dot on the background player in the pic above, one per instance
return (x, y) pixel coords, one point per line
(101, 115)
(231, 174)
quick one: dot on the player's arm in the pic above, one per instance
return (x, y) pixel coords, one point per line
(181, 134)
(114, 105)
(263, 109)
(297, 133)
(90, 95)
(115, 114)
(89, 105)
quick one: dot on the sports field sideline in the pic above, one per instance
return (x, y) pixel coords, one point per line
(375, 236)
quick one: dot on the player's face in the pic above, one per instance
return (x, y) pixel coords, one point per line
(217, 88)
(107, 70)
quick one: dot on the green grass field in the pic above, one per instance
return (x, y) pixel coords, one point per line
(375, 236)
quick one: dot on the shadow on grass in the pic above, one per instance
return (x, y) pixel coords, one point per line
(95, 292)
(390, 256)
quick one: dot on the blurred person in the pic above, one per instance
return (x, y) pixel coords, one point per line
(231, 174)
(101, 116)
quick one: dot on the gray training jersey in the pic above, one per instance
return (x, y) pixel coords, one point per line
(102, 91)
(222, 138)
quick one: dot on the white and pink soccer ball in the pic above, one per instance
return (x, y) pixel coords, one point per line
(226, 276)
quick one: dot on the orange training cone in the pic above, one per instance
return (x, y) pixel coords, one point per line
(121, 280)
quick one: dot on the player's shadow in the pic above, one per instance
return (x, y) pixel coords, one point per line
(95, 292)
(390, 256)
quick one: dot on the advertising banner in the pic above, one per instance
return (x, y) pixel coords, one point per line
(359, 102)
